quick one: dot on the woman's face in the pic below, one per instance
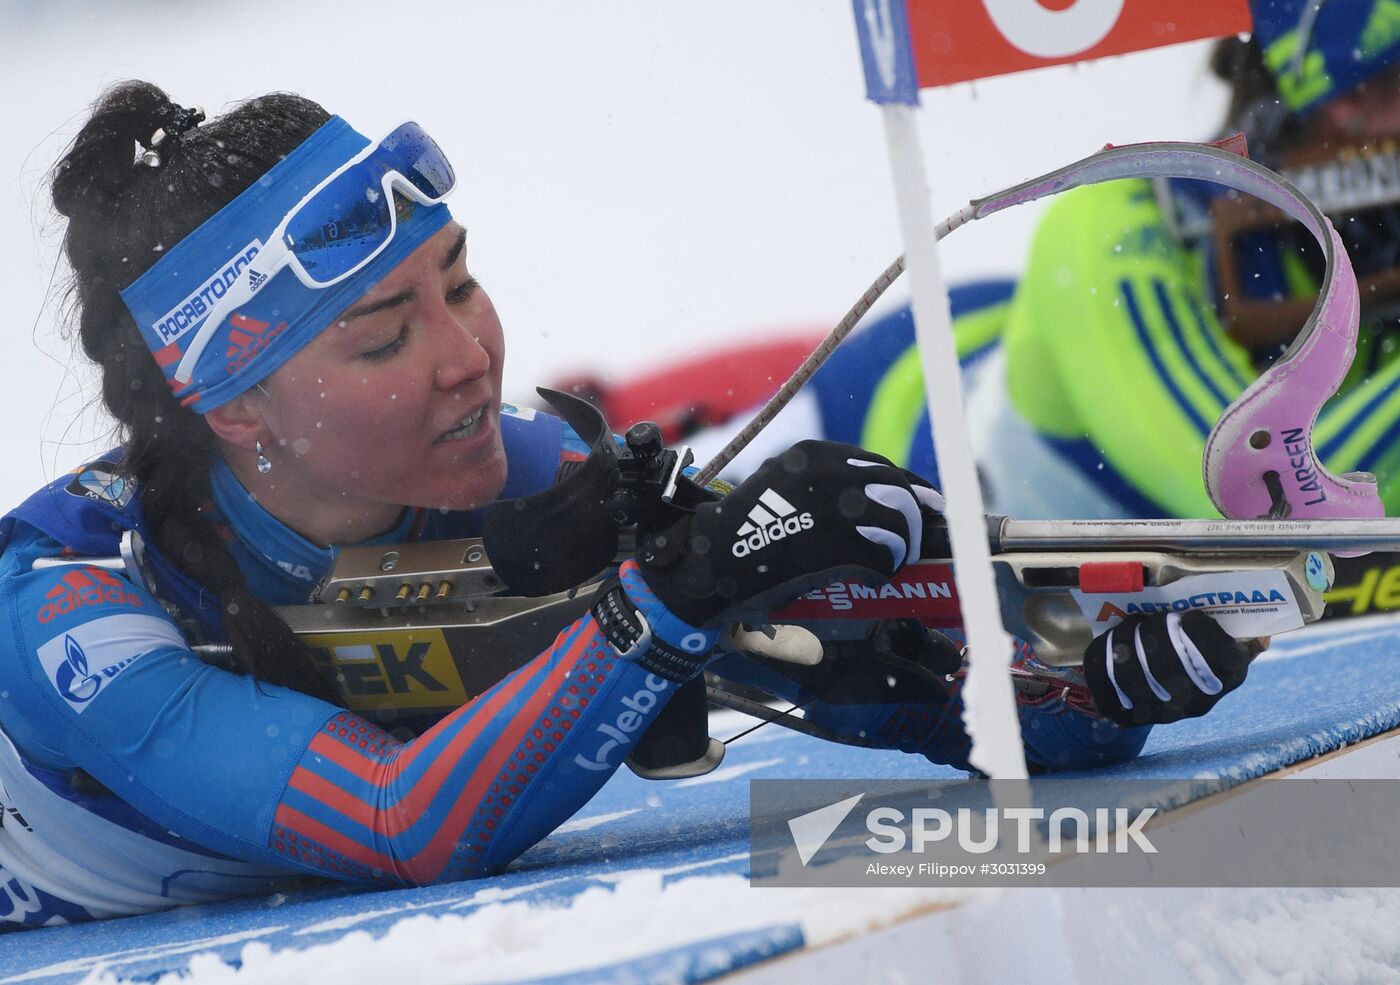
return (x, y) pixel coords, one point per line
(397, 403)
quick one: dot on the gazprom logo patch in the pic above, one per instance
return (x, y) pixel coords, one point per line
(511, 410)
(196, 305)
(74, 680)
(87, 658)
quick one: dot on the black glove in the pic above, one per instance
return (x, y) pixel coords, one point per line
(901, 662)
(818, 512)
(1160, 668)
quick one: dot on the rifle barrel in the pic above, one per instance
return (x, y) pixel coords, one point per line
(1251, 536)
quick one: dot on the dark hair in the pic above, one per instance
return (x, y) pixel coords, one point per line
(122, 214)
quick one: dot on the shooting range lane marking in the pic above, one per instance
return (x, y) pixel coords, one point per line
(584, 823)
(730, 772)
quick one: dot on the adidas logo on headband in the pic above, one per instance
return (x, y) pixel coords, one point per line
(772, 518)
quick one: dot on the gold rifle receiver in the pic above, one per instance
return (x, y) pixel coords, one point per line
(429, 659)
(418, 629)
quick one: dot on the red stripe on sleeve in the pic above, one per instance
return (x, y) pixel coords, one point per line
(294, 820)
(360, 765)
(381, 774)
(438, 851)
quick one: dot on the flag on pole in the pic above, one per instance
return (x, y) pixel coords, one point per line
(959, 40)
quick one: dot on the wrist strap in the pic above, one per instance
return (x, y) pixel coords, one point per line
(627, 631)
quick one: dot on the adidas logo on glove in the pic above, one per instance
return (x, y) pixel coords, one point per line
(772, 518)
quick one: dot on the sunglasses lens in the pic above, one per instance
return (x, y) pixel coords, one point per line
(349, 221)
(416, 156)
(342, 227)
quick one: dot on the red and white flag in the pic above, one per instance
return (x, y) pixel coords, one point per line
(958, 40)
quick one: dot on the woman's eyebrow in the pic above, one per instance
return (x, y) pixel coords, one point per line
(450, 257)
(403, 297)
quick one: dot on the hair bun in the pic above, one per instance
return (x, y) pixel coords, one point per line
(97, 171)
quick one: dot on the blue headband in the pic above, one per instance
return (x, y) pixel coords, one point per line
(169, 301)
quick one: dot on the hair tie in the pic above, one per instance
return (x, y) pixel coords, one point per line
(175, 120)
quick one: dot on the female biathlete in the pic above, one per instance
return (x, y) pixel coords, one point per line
(298, 358)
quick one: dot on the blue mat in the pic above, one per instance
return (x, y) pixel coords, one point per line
(1313, 693)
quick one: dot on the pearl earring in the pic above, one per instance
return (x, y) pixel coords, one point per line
(264, 466)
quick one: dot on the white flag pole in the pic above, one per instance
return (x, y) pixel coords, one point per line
(989, 707)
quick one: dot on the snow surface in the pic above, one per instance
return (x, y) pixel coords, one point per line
(1215, 936)
(640, 916)
(640, 180)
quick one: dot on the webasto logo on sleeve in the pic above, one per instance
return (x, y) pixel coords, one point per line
(772, 518)
(192, 309)
(619, 734)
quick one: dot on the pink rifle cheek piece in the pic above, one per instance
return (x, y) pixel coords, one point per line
(1268, 428)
